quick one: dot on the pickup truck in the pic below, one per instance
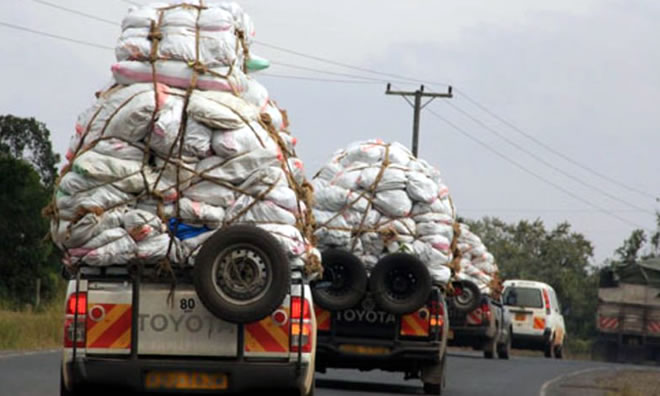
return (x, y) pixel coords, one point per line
(367, 336)
(478, 321)
(130, 328)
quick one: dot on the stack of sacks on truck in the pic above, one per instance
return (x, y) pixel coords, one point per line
(375, 198)
(184, 142)
(476, 263)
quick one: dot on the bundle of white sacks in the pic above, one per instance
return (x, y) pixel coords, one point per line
(156, 167)
(375, 198)
(476, 264)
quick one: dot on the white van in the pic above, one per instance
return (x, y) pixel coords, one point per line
(535, 316)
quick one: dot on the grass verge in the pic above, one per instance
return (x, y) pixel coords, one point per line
(634, 383)
(27, 330)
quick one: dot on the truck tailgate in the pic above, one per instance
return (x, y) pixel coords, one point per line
(182, 325)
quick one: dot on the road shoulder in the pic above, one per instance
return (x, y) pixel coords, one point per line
(605, 381)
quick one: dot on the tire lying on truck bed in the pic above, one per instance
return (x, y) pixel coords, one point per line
(242, 274)
(344, 281)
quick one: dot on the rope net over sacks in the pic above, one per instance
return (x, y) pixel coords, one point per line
(477, 264)
(183, 143)
(375, 198)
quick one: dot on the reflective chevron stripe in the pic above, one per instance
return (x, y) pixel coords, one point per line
(415, 324)
(322, 319)
(109, 326)
(608, 322)
(267, 337)
(653, 326)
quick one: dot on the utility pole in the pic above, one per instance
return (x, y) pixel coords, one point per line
(417, 107)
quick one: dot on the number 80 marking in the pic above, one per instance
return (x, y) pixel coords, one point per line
(187, 304)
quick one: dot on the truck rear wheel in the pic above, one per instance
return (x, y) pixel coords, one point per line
(242, 274)
(549, 350)
(432, 389)
(433, 377)
(63, 389)
(400, 283)
(490, 348)
(467, 296)
(504, 349)
(344, 281)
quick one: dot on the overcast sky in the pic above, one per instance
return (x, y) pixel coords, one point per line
(580, 76)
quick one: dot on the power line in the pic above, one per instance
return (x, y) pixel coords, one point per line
(325, 80)
(365, 70)
(55, 36)
(554, 151)
(346, 65)
(530, 210)
(132, 3)
(536, 175)
(101, 46)
(477, 104)
(545, 162)
(311, 69)
(76, 12)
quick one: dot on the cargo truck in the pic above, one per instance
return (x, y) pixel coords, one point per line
(628, 314)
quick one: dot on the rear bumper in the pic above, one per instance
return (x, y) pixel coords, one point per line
(531, 341)
(130, 374)
(402, 355)
(471, 335)
(636, 339)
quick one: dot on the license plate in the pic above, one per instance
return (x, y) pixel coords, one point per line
(521, 316)
(364, 349)
(450, 334)
(185, 380)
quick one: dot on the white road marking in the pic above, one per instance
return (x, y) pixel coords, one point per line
(549, 383)
(29, 353)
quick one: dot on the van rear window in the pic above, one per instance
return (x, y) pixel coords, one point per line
(523, 297)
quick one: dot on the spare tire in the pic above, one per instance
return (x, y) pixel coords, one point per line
(344, 281)
(242, 274)
(400, 284)
(466, 297)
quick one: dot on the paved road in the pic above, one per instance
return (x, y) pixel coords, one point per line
(467, 374)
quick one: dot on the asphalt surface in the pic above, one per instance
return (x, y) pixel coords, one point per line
(36, 374)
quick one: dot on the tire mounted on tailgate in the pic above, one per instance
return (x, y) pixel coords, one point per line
(242, 274)
(344, 281)
(400, 283)
(466, 298)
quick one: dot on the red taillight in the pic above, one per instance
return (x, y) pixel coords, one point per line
(296, 304)
(547, 301)
(485, 312)
(77, 304)
(437, 314)
(300, 330)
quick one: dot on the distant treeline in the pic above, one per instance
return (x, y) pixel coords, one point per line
(29, 263)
